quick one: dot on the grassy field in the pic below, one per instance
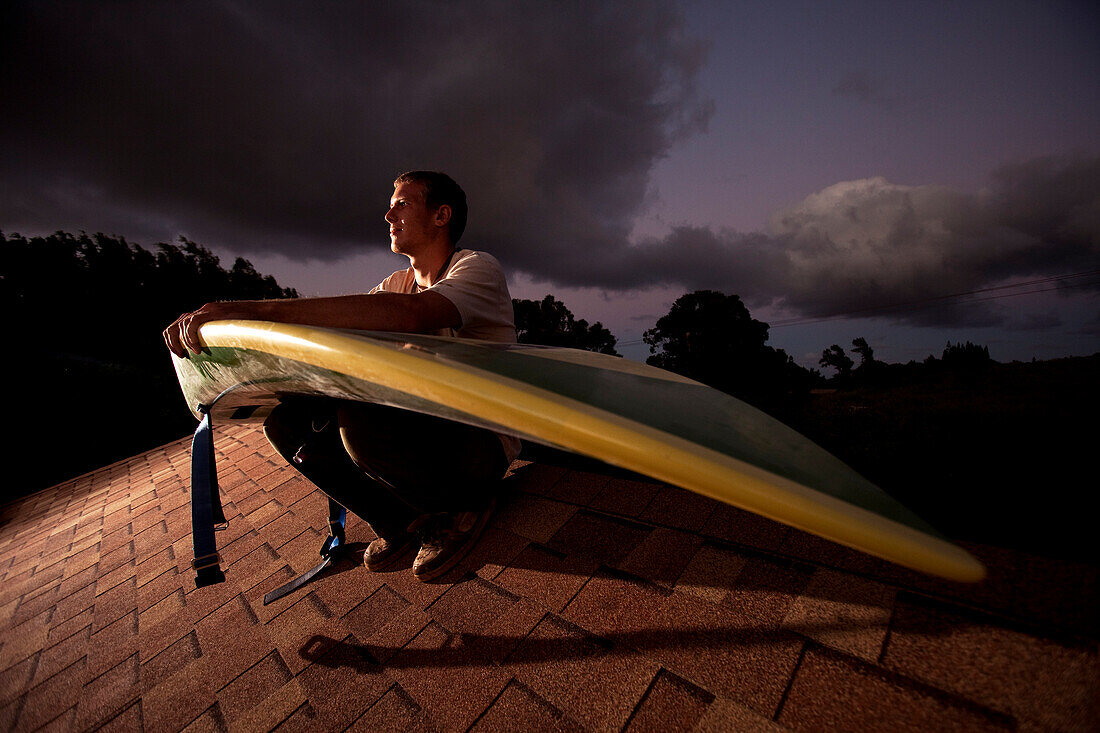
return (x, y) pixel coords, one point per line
(1002, 457)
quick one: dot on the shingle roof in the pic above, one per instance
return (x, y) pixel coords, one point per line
(592, 603)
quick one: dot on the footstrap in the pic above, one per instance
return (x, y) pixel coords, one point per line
(206, 506)
(331, 550)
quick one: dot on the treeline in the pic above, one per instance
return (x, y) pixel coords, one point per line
(98, 296)
(711, 337)
(86, 375)
(707, 336)
(965, 360)
(549, 323)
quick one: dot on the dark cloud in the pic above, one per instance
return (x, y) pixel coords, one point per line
(279, 126)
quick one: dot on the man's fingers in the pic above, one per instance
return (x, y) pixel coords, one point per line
(190, 329)
(183, 335)
(176, 345)
(173, 338)
(168, 341)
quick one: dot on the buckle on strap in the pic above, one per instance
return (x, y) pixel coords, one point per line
(206, 561)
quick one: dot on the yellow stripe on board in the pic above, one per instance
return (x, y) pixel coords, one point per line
(590, 431)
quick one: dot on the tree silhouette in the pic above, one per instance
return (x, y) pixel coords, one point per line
(835, 357)
(712, 338)
(865, 352)
(966, 359)
(550, 323)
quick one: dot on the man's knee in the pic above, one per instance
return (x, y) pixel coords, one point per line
(282, 432)
(367, 435)
(290, 426)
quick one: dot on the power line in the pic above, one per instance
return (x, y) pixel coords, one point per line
(939, 299)
(935, 300)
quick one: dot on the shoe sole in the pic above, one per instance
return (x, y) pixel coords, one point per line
(460, 553)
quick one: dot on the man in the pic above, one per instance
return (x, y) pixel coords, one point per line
(420, 482)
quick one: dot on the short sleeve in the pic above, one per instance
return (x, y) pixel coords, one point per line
(476, 285)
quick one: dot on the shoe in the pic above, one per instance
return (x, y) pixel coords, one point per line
(384, 552)
(445, 539)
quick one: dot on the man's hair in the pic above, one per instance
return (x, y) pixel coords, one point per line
(440, 189)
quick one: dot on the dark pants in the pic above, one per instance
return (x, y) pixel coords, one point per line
(386, 465)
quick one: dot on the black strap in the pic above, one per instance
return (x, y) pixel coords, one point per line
(206, 506)
(333, 547)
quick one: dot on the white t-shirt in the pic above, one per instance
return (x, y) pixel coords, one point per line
(474, 282)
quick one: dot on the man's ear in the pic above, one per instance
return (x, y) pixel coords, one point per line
(443, 215)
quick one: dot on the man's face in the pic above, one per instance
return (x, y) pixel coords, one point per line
(412, 223)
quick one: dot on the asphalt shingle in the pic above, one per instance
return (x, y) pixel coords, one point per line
(593, 602)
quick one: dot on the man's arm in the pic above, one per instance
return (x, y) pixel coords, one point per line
(413, 313)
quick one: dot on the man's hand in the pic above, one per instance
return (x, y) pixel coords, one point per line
(183, 335)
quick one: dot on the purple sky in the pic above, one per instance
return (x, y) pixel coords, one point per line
(814, 158)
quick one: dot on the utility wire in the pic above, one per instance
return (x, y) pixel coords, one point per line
(931, 302)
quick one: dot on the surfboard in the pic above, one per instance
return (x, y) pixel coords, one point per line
(623, 413)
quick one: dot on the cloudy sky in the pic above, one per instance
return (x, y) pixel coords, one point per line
(909, 172)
